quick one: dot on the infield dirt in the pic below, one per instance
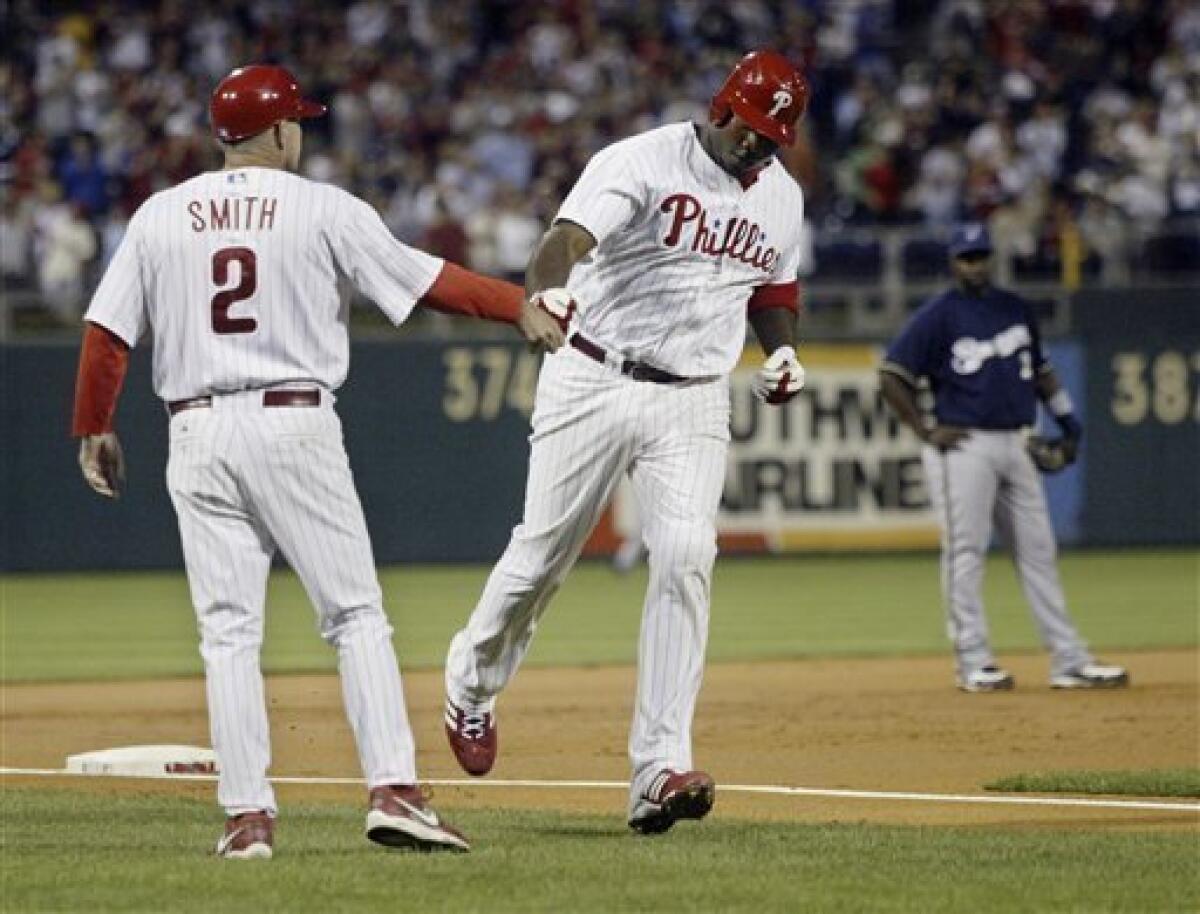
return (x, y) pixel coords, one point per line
(893, 724)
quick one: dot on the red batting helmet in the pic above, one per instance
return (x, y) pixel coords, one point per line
(251, 99)
(767, 92)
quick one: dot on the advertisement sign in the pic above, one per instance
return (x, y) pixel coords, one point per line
(832, 469)
(438, 438)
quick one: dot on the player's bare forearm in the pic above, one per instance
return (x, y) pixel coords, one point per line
(1059, 403)
(774, 327)
(902, 398)
(564, 245)
(543, 322)
(1047, 383)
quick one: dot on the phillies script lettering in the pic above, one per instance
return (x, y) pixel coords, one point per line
(741, 239)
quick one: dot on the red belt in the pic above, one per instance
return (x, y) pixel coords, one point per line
(269, 398)
(639, 371)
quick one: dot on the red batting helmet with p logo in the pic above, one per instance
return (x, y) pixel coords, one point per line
(252, 99)
(768, 92)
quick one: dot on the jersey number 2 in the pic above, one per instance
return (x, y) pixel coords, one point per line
(247, 284)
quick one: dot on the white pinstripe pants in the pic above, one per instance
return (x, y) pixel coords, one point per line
(245, 480)
(590, 425)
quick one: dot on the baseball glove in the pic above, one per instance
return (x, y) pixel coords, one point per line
(1052, 454)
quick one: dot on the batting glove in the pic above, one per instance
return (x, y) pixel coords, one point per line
(780, 378)
(103, 463)
(559, 304)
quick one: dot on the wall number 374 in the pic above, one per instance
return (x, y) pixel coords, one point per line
(482, 382)
(1161, 387)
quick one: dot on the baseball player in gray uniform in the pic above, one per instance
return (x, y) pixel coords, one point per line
(979, 349)
(667, 242)
(235, 273)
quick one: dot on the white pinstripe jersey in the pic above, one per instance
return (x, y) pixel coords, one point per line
(681, 246)
(236, 275)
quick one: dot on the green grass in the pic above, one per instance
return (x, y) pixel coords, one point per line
(91, 626)
(1162, 782)
(152, 854)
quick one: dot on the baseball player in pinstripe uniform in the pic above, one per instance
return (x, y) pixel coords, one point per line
(980, 350)
(235, 274)
(667, 242)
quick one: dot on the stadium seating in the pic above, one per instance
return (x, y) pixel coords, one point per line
(858, 261)
(1176, 254)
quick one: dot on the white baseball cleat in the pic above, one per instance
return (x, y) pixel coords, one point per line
(1091, 676)
(990, 678)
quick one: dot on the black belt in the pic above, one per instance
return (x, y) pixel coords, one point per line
(638, 371)
(270, 398)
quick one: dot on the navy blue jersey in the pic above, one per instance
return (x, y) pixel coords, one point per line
(981, 356)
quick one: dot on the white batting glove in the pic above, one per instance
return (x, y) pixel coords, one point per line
(103, 463)
(559, 304)
(780, 378)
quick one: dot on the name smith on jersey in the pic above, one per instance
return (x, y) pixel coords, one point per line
(233, 214)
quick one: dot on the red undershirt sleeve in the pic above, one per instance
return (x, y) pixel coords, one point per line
(103, 361)
(460, 291)
(779, 295)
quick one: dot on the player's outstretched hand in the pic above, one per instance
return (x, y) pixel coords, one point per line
(103, 463)
(780, 378)
(545, 317)
(946, 437)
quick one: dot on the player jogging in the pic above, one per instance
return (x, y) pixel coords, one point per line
(235, 273)
(667, 243)
(980, 350)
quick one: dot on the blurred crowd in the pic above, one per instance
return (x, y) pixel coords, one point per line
(465, 121)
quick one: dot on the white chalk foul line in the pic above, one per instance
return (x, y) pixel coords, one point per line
(770, 789)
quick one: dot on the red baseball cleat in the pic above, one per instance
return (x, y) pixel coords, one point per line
(473, 738)
(400, 817)
(250, 836)
(673, 795)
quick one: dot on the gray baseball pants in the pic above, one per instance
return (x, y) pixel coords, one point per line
(989, 480)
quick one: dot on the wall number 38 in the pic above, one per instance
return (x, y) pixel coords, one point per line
(1160, 387)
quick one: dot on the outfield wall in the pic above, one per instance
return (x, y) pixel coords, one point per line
(437, 437)
(1143, 381)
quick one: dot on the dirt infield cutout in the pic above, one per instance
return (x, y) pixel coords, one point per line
(856, 724)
